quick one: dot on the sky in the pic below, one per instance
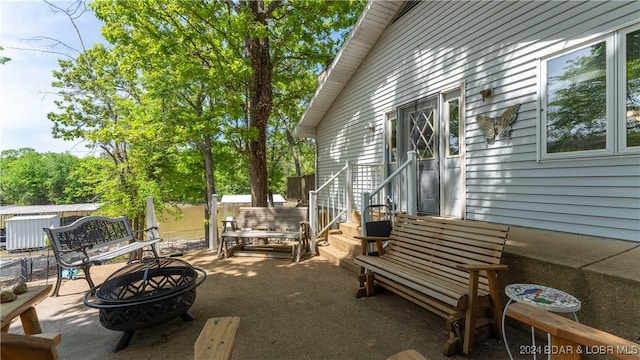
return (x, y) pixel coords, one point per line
(26, 94)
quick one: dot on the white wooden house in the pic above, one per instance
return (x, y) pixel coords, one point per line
(524, 113)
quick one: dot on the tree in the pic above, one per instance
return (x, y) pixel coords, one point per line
(233, 53)
(577, 97)
(22, 178)
(3, 59)
(31, 178)
(98, 104)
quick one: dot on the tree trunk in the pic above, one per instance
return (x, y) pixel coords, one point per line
(210, 189)
(260, 105)
(294, 151)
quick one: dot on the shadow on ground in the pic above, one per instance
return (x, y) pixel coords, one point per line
(287, 310)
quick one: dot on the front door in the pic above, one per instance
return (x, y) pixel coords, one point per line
(419, 123)
(431, 127)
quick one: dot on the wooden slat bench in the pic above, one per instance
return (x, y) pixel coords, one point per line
(287, 224)
(29, 347)
(92, 240)
(217, 339)
(571, 340)
(447, 266)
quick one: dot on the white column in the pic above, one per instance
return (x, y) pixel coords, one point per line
(152, 223)
(313, 220)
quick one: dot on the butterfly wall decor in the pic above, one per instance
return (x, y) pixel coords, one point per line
(498, 126)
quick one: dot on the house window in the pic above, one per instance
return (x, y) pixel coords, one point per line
(631, 90)
(580, 116)
(392, 139)
(452, 117)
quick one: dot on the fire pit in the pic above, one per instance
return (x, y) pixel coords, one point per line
(145, 293)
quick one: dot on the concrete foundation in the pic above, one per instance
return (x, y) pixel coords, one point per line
(604, 274)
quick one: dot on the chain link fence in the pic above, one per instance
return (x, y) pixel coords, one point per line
(41, 264)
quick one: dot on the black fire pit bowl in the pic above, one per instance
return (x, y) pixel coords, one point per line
(145, 293)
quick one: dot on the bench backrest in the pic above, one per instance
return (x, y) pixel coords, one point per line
(86, 233)
(276, 218)
(438, 244)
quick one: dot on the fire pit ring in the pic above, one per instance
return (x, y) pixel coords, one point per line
(145, 293)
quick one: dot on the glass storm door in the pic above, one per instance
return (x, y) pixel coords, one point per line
(436, 137)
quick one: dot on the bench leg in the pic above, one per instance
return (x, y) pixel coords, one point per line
(294, 254)
(365, 281)
(470, 316)
(87, 276)
(494, 295)
(30, 322)
(453, 345)
(154, 251)
(220, 245)
(58, 281)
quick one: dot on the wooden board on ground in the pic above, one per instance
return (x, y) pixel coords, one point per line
(217, 339)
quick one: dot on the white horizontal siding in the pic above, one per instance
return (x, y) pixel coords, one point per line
(439, 45)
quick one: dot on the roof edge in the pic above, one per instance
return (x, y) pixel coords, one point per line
(308, 121)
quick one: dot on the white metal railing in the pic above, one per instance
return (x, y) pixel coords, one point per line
(399, 189)
(332, 202)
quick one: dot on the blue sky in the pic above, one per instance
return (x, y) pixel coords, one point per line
(25, 81)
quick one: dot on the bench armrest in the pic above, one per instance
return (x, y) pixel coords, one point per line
(81, 251)
(366, 240)
(570, 333)
(370, 239)
(305, 229)
(151, 230)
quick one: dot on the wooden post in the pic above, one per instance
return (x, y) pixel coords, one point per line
(213, 223)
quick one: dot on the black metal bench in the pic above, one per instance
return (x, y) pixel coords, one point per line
(93, 240)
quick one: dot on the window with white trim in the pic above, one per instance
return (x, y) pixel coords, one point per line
(392, 141)
(451, 116)
(590, 98)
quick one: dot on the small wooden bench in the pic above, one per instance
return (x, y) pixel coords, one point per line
(92, 240)
(283, 223)
(217, 339)
(24, 307)
(447, 266)
(571, 340)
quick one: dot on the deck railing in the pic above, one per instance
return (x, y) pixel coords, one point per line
(357, 187)
(398, 191)
(333, 201)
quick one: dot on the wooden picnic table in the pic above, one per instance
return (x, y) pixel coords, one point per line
(23, 306)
